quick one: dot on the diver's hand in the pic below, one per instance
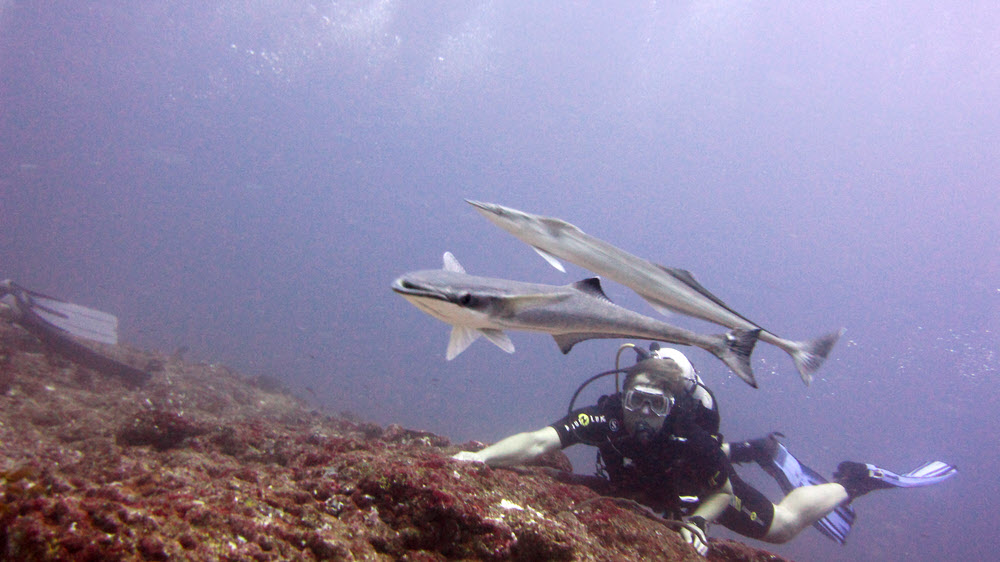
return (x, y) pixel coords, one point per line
(694, 534)
(467, 456)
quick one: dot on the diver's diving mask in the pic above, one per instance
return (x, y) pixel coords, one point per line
(639, 396)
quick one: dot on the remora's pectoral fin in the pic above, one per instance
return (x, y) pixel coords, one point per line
(553, 261)
(451, 263)
(499, 339)
(660, 307)
(461, 338)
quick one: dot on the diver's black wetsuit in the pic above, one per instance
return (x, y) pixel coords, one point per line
(684, 458)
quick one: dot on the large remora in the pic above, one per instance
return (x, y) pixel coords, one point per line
(485, 306)
(667, 289)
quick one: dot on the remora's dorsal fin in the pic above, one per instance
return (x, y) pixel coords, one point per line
(591, 286)
(685, 276)
(451, 264)
(553, 261)
(461, 338)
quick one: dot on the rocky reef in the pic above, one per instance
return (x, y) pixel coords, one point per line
(205, 463)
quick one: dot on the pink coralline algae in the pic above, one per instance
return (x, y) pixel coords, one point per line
(204, 463)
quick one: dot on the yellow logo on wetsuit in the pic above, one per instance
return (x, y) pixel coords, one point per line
(584, 420)
(737, 503)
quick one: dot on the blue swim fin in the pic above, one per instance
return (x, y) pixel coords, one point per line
(927, 474)
(54, 322)
(71, 318)
(791, 474)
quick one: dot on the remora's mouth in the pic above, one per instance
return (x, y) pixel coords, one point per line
(409, 288)
(488, 208)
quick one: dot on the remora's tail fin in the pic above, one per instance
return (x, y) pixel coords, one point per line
(809, 355)
(735, 353)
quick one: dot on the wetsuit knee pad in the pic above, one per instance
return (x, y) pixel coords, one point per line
(749, 513)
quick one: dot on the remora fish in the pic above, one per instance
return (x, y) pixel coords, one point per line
(667, 289)
(485, 306)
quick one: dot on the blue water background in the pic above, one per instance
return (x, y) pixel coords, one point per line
(247, 178)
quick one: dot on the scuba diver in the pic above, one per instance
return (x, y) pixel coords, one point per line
(56, 322)
(659, 444)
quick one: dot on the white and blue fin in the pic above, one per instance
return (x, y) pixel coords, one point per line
(76, 319)
(837, 524)
(791, 474)
(928, 473)
(64, 317)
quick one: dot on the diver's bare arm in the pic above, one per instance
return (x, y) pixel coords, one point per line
(711, 507)
(715, 503)
(515, 449)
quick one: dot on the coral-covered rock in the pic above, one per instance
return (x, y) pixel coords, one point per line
(204, 463)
